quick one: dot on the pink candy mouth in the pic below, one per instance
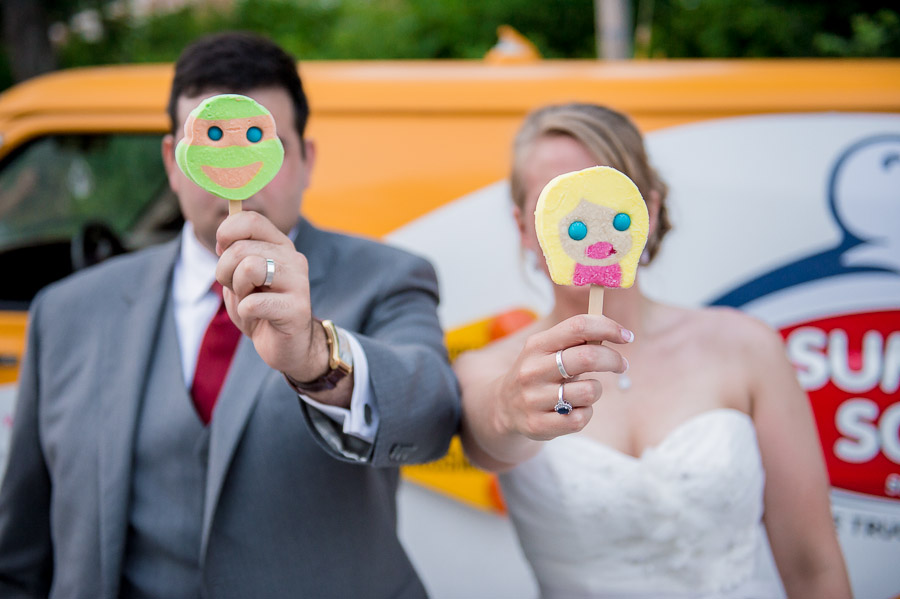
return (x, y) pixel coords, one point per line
(232, 177)
(600, 250)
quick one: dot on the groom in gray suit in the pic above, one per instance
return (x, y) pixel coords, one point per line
(132, 475)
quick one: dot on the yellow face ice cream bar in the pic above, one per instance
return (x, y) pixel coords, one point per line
(230, 146)
(592, 226)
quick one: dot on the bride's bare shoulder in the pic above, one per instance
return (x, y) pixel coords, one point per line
(727, 329)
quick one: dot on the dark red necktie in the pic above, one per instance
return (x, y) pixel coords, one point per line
(216, 352)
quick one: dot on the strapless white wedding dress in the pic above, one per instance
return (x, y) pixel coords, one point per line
(683, 520)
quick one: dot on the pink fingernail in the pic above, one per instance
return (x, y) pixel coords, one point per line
(627, 335)
(624, 359)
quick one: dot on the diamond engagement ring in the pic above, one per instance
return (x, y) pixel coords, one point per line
(270, 272)
(560, 367)
(562, 406)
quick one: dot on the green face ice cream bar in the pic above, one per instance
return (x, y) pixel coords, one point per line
(230, 147)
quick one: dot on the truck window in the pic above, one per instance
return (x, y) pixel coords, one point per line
(71, 201)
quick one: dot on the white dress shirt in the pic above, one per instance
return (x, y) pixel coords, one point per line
(195, 306)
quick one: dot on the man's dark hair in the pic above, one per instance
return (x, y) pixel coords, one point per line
(236, 62)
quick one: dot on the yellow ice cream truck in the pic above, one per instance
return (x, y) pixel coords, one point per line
(765, 158)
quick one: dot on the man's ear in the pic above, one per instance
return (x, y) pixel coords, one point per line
(309, 146)
(309, 160)
(168, 156)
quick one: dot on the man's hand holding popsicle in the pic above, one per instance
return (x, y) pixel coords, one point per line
(232, 150)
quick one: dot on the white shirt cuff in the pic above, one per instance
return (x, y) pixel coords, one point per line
(361, 420)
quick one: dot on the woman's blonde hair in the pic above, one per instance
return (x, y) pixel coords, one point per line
(609, 136)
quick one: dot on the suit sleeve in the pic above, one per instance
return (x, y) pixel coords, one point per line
(26, 558)
(415, 391)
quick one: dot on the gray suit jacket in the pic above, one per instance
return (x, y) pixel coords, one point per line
(285, 514)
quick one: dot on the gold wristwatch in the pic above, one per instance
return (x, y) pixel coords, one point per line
(340, 362)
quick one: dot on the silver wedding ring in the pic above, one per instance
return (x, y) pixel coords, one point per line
(562, 406)
(270, 272)
(562, 369)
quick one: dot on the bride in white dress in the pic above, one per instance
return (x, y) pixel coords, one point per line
(674, 483)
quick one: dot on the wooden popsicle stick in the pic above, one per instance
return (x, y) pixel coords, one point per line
(234, 206)
(595, 304)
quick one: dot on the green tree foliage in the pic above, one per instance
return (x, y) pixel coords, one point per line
(424, 29)
(773, 28)
(350, 29)
(871, 35)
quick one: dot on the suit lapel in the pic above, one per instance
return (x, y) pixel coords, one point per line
(235, 403)
(131, 326)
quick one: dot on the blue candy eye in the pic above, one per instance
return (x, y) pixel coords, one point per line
(578, 230)
(254, 134)
(215, 133)
(622, 221)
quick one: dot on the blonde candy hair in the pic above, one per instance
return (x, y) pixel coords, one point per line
(609, 136)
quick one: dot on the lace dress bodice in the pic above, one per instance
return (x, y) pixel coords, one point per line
(681, 520)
